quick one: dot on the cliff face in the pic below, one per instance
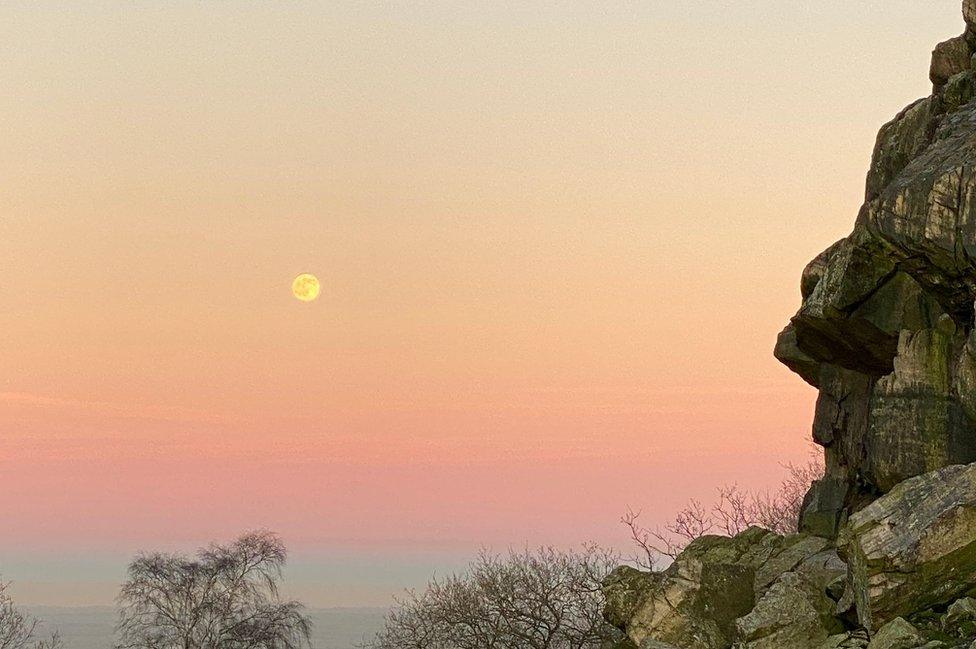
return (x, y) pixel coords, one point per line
(885, 330)
(886, 557)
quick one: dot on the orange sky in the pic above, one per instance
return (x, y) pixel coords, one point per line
(556, 244)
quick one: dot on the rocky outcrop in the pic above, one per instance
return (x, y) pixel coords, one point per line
(692, 604)
(915, 548)
(885, 329)
(902, 575)
(757, 589)
(886, 557)
(897, 634)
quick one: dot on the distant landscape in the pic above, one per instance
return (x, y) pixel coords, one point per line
(91, 627)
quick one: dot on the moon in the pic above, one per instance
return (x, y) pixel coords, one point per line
(306, 287)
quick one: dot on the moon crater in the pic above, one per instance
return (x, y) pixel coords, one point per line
(306, 287)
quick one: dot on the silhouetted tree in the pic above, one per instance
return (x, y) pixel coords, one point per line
(224, 598)
(549, 599)
(18, 630)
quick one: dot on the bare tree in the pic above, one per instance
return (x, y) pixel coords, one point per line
(224, 598)
(18, 630)
(735, 511)
(548, 599)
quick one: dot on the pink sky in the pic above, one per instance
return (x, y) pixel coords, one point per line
(556, 246)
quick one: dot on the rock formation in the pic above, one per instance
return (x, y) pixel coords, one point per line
(886, 554)
(717, 589)
(885, 331)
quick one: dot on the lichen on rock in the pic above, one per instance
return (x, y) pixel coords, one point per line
(885, 329)
(755, 588)
(914, 548)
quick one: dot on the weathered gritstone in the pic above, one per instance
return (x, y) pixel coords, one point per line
(907, 562)
(915, 548)
(887, 554)
(885, 330)
(757, 588)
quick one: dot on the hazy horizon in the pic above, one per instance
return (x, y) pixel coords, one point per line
(556, 243)
(91, 627)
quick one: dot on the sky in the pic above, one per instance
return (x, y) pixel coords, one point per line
(556, 242)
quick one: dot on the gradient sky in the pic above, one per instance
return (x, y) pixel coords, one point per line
(557, 241)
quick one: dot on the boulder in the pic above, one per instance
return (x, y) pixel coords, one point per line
(897, 634)
(624, 591)
(794, 612)
(949, 58)
(696, 602)
(960, 619)
(915, 547)
(822, 511)
(776, 555)
(691, 605)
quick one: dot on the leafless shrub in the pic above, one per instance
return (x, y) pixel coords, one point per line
(18, 630)
(224, 598)
(688, 524)
(735, 511)
(549, 599)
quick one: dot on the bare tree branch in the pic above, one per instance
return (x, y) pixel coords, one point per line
(547, 599)
(734, 511)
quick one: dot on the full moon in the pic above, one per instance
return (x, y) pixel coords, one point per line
(306, 287)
